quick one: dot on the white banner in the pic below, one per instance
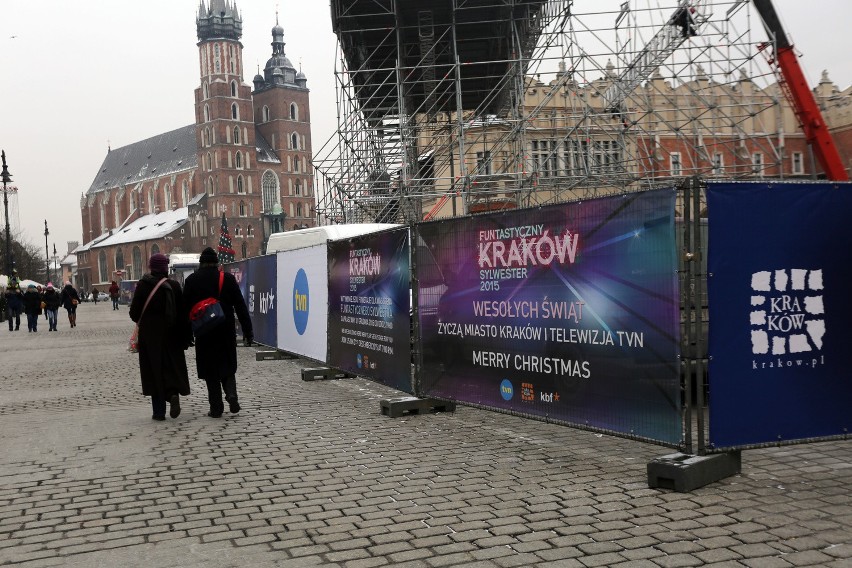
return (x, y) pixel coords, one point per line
(303, 304)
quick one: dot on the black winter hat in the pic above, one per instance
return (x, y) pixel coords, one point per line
(209, 256)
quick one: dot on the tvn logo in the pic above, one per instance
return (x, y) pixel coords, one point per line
(301, 302)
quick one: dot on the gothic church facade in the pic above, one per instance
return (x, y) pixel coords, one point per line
(246, 157)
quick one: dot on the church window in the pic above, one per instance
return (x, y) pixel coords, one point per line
(236, 135)
(154, 249)
(137, 263)
(102, 267)
(265, 114)
(233, 88)
(235, 111)
(151, 200)
(209, 162)
(240, 188)
(116, 213)
(250, 231)
(294, 111)
(185, 193)
(210, 186)
(103, 217)
(298, 186)
(294, 141)
(245, 249)
(206, 113)
(119, 259)
(295, 164)
(269, 185)
(205, 92)
(238, 231)
(239, 160)
(298, 209)
(217, 62)
(242, 208)
(167, 194)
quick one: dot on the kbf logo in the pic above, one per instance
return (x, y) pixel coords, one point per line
(301, 301)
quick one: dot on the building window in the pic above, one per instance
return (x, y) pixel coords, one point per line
(250, 231)
(483, 163)
(238, 231)
(294, 111)
(757, 164)
(242, 208)
(239, 160)
(217, 62)
(236, 135)
(119, 259)
(298, 210)
(206, 113)
(245, 249)
(240, 184)
(209, 160)
(294, 141)
(210, 186)
(798, 163)
(576, 156)
(167, 193)
(544, 157)
(298, 186)
(269, 187)
(137, 264)
(205, 93)
(676, 165)
(233, 88)
(185, 192)
(116, 212)
(154, 249)
(718, 164)
(152, 197)
(133, 202)
(102, 267)
(265, 114)
(235, 111)
(103, 217)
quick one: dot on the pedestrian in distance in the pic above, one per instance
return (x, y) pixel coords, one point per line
(52, 300)
(95, 296)
(114, 294)
(159, 309)
(14, 304)
(32, 307)
(216, 350)
(70, 300)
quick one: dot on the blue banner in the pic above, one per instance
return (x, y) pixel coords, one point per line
(780, 305)
(369, 320)
(261, 293)
(568, 312)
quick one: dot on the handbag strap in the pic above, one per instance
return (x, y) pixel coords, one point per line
(221, 281)
(151, 295)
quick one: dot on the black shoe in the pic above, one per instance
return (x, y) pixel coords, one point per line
(215, 414)
(233, 406)
(174, 402)
(158, 418)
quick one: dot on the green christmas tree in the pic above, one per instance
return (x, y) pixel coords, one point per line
(226, 253)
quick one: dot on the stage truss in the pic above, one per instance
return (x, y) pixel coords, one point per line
(594, 98)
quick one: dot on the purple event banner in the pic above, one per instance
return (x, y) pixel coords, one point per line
(567, 312)
(369, 304)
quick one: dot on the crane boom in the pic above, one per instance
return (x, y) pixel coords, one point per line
(800, 96)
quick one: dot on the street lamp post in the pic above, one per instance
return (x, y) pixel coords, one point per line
(6, 179)
(46, 253)
(55, 268)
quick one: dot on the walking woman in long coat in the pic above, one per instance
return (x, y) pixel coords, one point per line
(164, 334)
(216, 351)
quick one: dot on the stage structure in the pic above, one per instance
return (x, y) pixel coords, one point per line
(449, 107)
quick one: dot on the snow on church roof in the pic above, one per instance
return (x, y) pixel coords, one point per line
(145, 228)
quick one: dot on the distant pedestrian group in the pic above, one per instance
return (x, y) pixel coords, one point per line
(33, 301)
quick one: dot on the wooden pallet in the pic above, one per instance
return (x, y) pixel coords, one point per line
(324, 374)
(396, 407)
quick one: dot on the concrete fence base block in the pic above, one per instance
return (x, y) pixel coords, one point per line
(684, 472)
(273, 355)
(324, 374)
(396, 407)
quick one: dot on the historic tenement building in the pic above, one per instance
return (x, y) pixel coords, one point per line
(246, 156)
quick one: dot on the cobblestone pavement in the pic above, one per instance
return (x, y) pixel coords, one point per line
(311, 474)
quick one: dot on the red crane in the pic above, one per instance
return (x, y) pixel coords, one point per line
(801, 98)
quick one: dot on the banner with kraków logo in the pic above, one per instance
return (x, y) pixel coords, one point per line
(568, 312)
(780, 300)
(369, 320)
(303, 302)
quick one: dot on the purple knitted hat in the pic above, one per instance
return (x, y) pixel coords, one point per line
(159, 263)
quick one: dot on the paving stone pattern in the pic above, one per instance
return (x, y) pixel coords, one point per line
(312, 474)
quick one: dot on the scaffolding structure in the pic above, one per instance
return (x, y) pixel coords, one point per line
(450, 107)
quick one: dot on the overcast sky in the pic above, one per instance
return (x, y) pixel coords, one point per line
(79, 75)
